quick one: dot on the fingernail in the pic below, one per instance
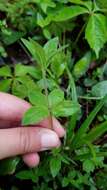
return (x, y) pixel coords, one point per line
(49, 140)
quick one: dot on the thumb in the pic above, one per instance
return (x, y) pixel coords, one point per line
(17, 141)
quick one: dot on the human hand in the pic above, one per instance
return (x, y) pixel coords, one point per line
(25, 141)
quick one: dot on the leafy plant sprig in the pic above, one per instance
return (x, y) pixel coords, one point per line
(52, 104)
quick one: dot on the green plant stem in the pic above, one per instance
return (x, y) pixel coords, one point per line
(92, 150)
(50, 73)
(46, 93)
(79, 35)
(28, 54)
(89, 98)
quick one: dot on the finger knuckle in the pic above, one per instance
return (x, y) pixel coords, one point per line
(24, 139)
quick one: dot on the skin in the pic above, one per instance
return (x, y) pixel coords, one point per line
(26, 141)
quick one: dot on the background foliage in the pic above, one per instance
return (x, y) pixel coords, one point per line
(58, 48)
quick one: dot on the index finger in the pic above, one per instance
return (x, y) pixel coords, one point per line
(12, 110)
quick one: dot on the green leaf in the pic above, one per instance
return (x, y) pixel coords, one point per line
(88, 166)
(65, 108)
(3, 52)
(44, 5)
(19, 90)
(21, 70)
(37, 98)
(82, 65)
(96, 32)
(59, 54)
(51, 46)
(55, 166)
(101, 179)
(35, 114)
(80, 2)
(87, 4)
(12, 37)
(50, 83)
(27, 81)
(24, 174)
(27, 175)
(5, 71)
(58, 64)
(85, 125)
(47, 34)
(61, 14)
(2, 6)
(102, 4)
(100, 89)
(96, 132)
(55, 97)
(65, 182)
(69, 12)
(5, 85)
(36, 51)
(8, 166)
(72, 122)
(43, 22)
